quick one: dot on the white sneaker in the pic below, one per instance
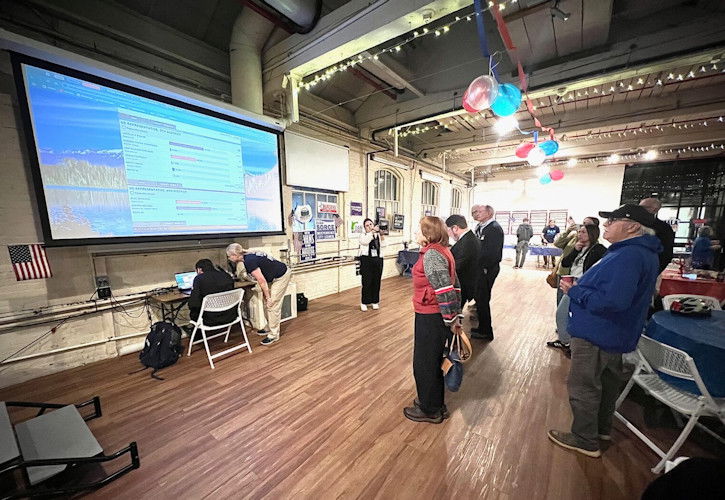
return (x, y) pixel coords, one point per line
(376, 306)
(363, 307)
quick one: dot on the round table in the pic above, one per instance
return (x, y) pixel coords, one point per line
(673, 284)
(703, 338)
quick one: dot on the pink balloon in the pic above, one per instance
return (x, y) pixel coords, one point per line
(523, 149)
(556, 175)
(467, 106)
(481, 93)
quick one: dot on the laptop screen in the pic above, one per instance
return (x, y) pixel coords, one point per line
(185, 280)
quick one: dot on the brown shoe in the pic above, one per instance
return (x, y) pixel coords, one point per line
(416, 415)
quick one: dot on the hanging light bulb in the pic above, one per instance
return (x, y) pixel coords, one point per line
(505, 124)
(572, 162)
(650, 155)
(613, 158)
(541, 171)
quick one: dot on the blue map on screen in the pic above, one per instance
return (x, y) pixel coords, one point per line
(114, 164)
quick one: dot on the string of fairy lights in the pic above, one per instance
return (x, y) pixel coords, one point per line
(611, 159)
(425, 31)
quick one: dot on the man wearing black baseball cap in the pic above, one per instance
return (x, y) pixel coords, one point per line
(607, 309)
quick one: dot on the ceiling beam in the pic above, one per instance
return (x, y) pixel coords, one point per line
(691, 102)
(355, 27)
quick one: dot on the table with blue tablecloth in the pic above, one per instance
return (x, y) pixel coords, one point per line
(407, 259)
(703, 338)
(544, 251)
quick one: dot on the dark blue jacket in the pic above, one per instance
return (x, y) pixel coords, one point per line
(608, 306)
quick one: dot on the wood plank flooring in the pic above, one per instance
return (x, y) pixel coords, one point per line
(319, 414)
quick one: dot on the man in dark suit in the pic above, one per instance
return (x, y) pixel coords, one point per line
(210, 280)
(490, 234)
(465, 252)
(663, 231)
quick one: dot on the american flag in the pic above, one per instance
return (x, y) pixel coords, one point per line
(29, 262)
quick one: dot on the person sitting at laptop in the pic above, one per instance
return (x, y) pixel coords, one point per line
(210, 280)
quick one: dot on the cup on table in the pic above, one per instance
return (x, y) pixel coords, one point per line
(568, 278)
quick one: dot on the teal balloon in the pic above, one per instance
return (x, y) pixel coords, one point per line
(545, 179)
(549, 147)
(508, 100)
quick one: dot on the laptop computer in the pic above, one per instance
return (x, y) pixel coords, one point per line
(185, 281)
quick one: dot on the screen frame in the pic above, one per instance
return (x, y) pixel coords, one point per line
(17, 59)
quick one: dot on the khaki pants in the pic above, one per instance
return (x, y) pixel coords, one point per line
(276, 291)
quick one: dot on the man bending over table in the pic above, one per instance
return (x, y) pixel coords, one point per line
(272, 275)
(608, 309)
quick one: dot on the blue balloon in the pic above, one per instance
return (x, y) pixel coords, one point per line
(508, 100)
(549, 147)
(545, 179)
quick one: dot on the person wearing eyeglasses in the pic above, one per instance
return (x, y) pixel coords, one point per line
(607, 312)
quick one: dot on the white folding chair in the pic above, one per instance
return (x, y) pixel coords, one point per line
(218, 302)
(667, 300)
(676, 363)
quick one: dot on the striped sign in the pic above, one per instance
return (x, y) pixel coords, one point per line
(29, 262)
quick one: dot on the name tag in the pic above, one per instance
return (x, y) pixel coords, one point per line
(373, 252)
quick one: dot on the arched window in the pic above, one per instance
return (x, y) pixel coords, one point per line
(456, 199)
(429, 199)
(387, 192)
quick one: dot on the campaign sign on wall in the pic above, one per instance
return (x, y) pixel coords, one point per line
(326, 229)
(356, 208)
(398, 222)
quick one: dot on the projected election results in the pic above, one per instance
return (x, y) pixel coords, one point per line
(115, 164)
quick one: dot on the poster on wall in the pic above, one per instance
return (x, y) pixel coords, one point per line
(398, 222)
(326, 207)
(356, 227)
(379, 213)
(305, 245)
(326, 229)
(356, 208)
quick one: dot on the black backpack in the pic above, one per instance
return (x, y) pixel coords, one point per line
(162, 347)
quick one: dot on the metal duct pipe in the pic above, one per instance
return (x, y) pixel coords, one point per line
(249, 34)
(303, 13)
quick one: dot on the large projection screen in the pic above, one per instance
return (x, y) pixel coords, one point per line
(116, 164)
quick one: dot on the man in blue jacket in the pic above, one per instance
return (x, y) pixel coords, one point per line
(608, 309)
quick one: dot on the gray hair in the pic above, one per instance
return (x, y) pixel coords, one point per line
(235, 249)
(642, 230)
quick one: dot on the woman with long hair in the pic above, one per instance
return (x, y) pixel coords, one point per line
(371, 265)
(585, 253)
(437, 305)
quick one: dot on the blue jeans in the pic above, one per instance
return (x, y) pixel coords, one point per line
(562, 320)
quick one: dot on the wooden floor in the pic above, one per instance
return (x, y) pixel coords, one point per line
(319, 415)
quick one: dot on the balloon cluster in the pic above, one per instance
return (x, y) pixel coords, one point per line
(504, 99)
(536, 155)
(485, 92)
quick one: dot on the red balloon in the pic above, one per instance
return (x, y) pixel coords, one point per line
(523, 149)
(556, 175)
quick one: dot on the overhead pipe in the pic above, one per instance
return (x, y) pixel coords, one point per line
(249, 34)
(304, 14)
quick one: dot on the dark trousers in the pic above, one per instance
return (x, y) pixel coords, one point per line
(596, 379)
(483, 297)
(468, 292)
(371, 270)
(431, 335)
